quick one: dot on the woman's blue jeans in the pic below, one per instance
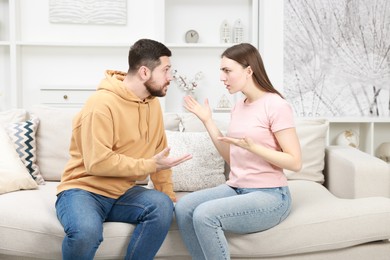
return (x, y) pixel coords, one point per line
(82, 214)
(204, 215)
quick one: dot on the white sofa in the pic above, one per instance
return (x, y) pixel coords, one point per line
(350, 219)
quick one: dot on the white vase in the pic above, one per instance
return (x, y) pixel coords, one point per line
(383, 151)
(348, 137)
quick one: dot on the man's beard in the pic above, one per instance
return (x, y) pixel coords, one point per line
(155, 90)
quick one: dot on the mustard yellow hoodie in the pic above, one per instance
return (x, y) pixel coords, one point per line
(114, 137)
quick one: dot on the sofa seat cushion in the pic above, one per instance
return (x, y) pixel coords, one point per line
(29, 227)
(318, 222)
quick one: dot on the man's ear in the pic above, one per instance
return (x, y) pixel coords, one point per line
(144, 72)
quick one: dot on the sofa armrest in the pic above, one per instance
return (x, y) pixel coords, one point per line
(351, 173)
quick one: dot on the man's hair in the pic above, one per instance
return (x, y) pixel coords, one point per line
(146, 52)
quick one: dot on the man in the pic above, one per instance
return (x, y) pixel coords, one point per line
(118, 138)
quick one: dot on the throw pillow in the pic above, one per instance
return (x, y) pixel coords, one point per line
(204, 170)
(13, 174)
(312, 136)
(23, 136)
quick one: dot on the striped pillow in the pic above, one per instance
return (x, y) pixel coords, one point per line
(23, 136)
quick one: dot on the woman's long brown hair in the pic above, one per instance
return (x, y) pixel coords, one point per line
(247, 55)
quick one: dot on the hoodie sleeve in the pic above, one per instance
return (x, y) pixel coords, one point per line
(162, 180)
(95, 143)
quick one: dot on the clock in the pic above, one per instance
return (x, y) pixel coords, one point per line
(192, 36)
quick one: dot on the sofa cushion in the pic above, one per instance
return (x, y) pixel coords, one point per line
(23, 135)
(318, 222)
(204, 170)
(53, 150)
(30, 228)
(12, 116)
(13, 174)
(53, 139)
(312, 136)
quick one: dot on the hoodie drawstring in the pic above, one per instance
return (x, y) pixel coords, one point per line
(139, 119)
(147, 137)
(147, 121)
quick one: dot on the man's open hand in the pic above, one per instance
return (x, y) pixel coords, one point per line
(164, 162)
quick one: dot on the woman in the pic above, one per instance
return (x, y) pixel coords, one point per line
(260, 143)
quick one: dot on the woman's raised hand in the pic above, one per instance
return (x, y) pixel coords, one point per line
(202, 112)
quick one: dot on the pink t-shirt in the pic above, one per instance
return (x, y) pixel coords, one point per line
(258, 121)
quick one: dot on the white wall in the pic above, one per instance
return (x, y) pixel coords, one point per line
(271, 40)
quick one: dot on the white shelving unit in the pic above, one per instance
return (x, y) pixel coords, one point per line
(61, 64)
(372, 131)
(206, 17)
(37, 55)
(40, 60)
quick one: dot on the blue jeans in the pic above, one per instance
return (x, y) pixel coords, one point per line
(82, 214)
(204, 215)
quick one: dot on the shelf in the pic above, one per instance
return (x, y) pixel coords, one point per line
(197, 45)
(206, 18)
(190, 58)
(72, 44)
(80, 53)
(124, 45)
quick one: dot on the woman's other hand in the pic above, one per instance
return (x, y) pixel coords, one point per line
(245, 142)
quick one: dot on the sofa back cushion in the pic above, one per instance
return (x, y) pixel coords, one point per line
(312, 136)
(55, 129)
(53, 139)
(12, 116)
(54, 135)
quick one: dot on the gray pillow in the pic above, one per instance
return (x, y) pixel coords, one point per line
(204, 170)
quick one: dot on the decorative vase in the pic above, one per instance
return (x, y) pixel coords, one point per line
(383, 152)
(348, 137)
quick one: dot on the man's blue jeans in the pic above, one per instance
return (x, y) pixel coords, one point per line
(82, 214)
(204, 215)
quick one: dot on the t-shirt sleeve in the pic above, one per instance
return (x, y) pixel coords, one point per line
(280, 114)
